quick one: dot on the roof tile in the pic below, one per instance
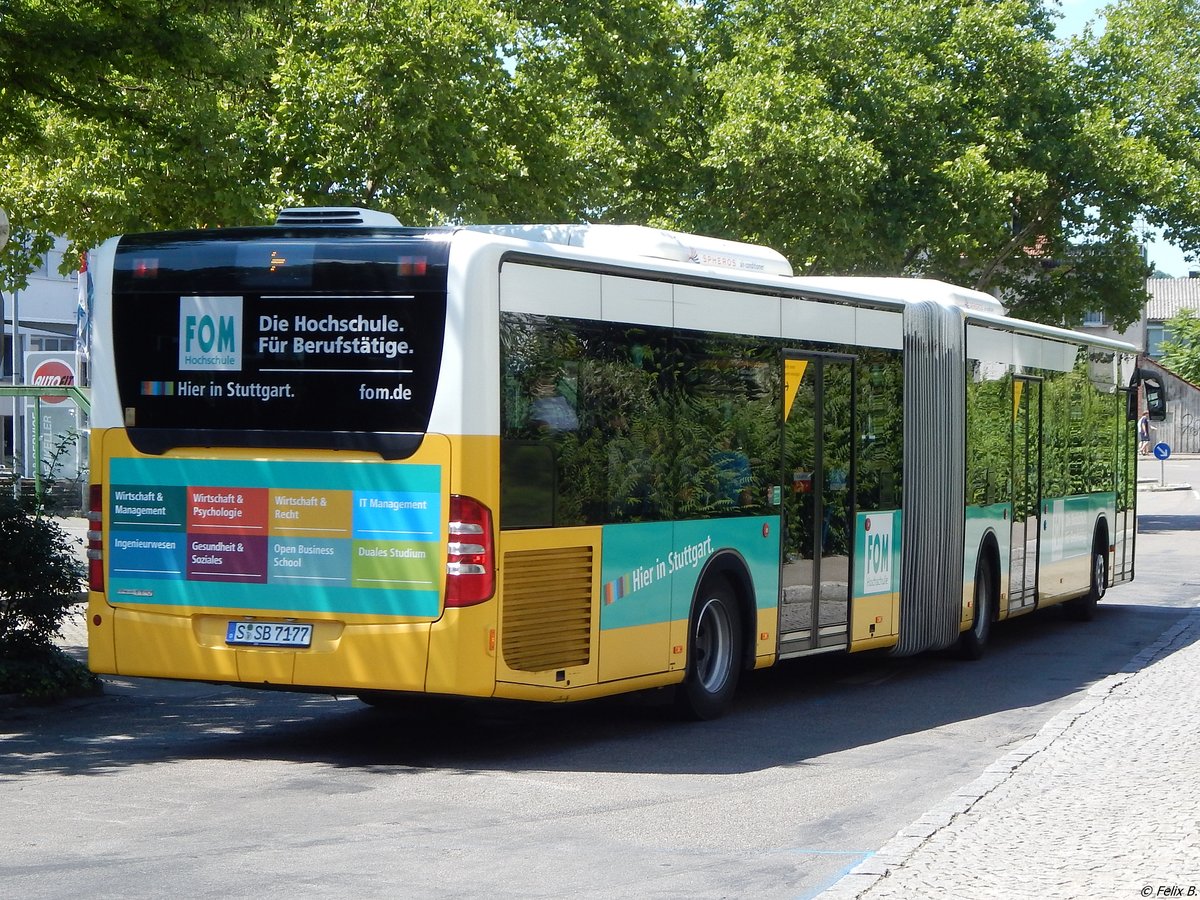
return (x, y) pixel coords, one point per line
(1169, 295)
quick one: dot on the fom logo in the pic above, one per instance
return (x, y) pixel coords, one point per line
(877, 553)
(210, 334)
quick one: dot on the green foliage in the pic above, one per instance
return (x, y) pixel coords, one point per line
(44, 674)
(1181, 351)
(94, 58)
(40, 578)
(1141, 74)
(957, 140)
(943, 139)
(40, 581)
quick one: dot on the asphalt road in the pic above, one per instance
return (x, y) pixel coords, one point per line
(160, 788)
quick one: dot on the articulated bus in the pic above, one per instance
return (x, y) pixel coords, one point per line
(560, 462)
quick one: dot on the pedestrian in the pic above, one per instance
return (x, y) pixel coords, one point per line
(1144, 429)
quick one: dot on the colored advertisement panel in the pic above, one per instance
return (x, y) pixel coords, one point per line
(650, 570)
(301, 562)
(291, 536)
(877, 560)
(311, 513)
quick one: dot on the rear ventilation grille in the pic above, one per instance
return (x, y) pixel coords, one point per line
(335, 215)
(547, 621)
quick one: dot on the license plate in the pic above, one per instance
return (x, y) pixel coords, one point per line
(269, 634)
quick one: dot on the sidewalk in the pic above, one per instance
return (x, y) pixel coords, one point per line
(1103, 802)
(73, 631)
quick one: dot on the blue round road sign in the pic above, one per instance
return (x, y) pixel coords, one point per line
(1162, 450)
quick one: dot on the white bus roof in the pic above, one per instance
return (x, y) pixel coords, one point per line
(654, 243)
(639, 242)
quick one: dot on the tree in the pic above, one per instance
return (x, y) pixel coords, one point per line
(434, 111)
(942, 139)
(93, 58)
(1142, 71)
(953, 139)
(139, 118)
(1181, 351)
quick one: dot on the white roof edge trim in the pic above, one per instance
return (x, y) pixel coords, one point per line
(1023, 326)
(641, 241)
(906, 290)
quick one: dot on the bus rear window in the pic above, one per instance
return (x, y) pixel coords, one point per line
(279, 338)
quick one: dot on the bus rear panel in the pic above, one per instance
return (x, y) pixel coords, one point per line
(269, 507)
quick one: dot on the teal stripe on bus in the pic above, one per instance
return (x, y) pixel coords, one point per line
(283, 474)
(650, 570)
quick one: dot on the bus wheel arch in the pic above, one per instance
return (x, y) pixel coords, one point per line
(1083, 609)
(731, 566)
(973, 641)
(718, 630)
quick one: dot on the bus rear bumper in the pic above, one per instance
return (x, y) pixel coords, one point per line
(352, 657)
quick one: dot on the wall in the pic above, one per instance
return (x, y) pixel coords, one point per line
(1181, 430)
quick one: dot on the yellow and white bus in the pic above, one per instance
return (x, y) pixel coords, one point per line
(560, 462)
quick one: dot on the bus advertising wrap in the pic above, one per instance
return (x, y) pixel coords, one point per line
(214, 338)
(314, 537)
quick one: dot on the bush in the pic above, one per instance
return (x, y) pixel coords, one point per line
(40, 581)
(44, 674)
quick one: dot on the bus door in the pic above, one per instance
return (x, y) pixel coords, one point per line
(1027, 492)
(1125, 526)
(817, 502)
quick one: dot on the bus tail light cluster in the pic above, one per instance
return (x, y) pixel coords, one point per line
(471, 553)
(95, 535)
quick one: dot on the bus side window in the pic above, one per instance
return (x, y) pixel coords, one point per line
(528, 477)
(881, 430)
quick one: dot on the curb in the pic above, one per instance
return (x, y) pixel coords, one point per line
(900, 848)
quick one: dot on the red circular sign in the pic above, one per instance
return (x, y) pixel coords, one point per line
(52, 373)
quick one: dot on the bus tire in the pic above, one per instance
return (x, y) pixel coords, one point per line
(714, 650)
(1083, 609)
(971, 643)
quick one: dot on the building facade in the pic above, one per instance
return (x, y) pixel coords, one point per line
(45, 315)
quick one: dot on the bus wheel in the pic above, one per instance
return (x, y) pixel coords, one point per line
(714, 653)
(971, 643)
(1083, 609)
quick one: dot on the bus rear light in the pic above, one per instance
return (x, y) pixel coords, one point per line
(95, 535)
(145, 267)
(413, 265)
(470, 554)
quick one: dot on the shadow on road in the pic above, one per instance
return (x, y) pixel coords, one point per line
(790, 715)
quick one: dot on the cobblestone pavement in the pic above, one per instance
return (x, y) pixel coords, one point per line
(1103, 802)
